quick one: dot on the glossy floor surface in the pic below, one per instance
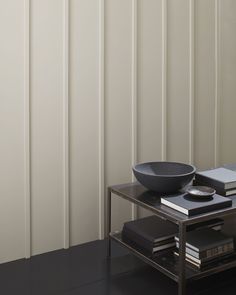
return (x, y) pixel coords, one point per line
(84, 270)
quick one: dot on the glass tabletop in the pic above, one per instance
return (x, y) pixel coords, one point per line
(138, 194)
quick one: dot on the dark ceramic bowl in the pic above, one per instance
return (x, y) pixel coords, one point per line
(164, 177)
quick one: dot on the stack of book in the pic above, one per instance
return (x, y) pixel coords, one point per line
(222, 179)
(206, 246)
(151, 234)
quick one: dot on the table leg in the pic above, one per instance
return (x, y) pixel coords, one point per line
(108, 222)
(182, 249)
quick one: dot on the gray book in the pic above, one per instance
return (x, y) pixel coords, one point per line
(190, 206)
(223, 178)
(231, 166)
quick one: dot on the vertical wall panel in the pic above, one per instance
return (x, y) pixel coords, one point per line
(149, 81)
(204, 84)
(47, 124)
(134, 90)
(84, 120)
(66, 189)
(12, 207)
(227, 86)
(101, 118)
(178, 81)
(118, 94)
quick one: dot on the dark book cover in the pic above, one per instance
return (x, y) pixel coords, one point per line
(144, 242)
(216, 222)
(220, 177)
(140, 244)
(190, 206)
(151, 228)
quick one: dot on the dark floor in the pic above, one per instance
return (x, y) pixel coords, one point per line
(84, 270)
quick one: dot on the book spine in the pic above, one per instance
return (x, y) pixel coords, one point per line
(219, 191)
(213, 245)
(217, 251)
(137, 241)
(144, 235)
(205, 263)
(213, 207)
(210, 253)
(189, 250)
(130, 234)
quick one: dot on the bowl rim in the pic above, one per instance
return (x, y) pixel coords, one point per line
(163, 175)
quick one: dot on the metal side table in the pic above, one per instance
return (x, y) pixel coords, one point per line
(167, 263)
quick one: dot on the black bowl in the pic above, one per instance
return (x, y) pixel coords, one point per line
(164, 177)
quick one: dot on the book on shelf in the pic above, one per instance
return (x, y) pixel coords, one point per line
(222, 178)
(215, 224)
(190, 206)
(145, 243)
(152, 249)
(150, 233)
(219, 191)
(211, 253)
(151, 228)
(207, 243)
(207, 263)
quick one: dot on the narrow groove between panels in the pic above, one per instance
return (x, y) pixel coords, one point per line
(164, 80)
(66, 124)
(216, 152)
(134, 92)
(101, 120)
(191, 79)
(27, 129)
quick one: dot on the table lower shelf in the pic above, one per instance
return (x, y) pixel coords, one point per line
(167, 262)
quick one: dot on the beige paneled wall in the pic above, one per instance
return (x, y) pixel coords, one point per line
(46, 64)
(90, 87)
(226, 83)
(149, 78)
(12, 139)
(118, 99)
(84, 120)
(205, 83)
